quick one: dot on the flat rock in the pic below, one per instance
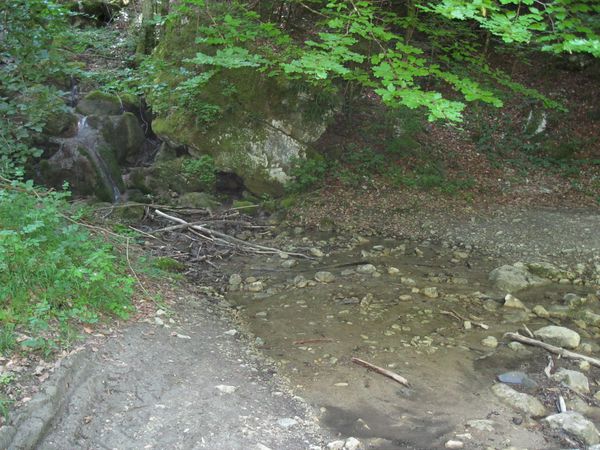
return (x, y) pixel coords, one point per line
(510, 301)
(517, 378)
(574, 424)
(512, 279)
(519, 401)
(559, 336)
(575, 380)
(225, 389)
(366, 268)
(324, 277)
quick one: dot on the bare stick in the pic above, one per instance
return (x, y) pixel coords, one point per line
(228, 238)
(386, 373)
(553, 349)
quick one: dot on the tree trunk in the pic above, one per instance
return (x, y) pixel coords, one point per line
(146, 38)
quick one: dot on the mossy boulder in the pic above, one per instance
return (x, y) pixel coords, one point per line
(61, 124)
(125, 135)
(252, 125)
(100, 104)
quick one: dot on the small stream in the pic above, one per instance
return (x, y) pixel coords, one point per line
(399, 318)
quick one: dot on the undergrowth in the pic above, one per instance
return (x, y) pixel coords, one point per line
(54, 273)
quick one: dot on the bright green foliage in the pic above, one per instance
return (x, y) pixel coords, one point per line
(558, 26)
(307, 173)
(200, 170)
(409, 56)
(27, 61)
(52, 271)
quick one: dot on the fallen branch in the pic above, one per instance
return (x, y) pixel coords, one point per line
(380, 370)
(227, 238)
(458, 317)
(553, 349)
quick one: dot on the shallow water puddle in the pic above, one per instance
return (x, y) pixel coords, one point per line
(408, 317)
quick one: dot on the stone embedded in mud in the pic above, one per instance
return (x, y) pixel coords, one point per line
(366, 268)
(490, 341)
(510, 301)
(574, 424)
(575, 380)
(235, 279)
(559, 336)
(454, 444)
(256, 286)
(225, 389)
(352, 444)
(512, 279)
(519, 401)
(540, 311)
(591, 318)
(393, 271)
(318, 253)
(430, 292)
(324, 277)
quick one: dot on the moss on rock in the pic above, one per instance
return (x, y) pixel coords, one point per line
(101, 104)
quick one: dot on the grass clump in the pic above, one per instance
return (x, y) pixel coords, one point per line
(53, 272)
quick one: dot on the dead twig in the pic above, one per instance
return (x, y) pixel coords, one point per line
(380, 370)
(553, 349)
(218, 236)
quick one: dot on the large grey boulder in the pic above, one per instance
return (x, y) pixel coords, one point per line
(559, 336)
(512, 279)
(519, 401)
(576, 425)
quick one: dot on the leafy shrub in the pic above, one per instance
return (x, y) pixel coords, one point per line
(53, 273)
(307, 173)
(201, 169)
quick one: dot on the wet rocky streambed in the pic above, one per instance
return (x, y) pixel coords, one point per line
(430, 313)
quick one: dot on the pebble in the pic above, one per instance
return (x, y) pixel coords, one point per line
(287, 422)
(235, 279)
(316, 252)
(430, 292)
(393, 271)
(540, 311)
(366, 268)
(510, 301)
(324, 277)
(352, 444)
(225, 389)
(289, 263)
(256, 286)
(490, 341)
(454, 444)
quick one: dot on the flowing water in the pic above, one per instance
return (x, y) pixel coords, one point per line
(411, 321)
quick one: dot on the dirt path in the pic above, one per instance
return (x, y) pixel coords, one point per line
(155, 387)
